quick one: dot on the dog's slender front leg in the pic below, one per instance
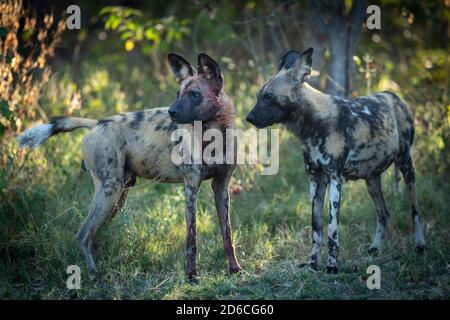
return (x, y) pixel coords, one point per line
(333, 224)
(318, 188)
(221, 195)
(190, 192)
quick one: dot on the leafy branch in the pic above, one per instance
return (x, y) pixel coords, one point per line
(152, 34)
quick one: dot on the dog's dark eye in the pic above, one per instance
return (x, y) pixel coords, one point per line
(194, 95)
(269, 96)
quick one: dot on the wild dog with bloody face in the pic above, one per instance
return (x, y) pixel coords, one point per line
(351, 139)
(120, 148)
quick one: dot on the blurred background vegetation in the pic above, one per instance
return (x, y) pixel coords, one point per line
(117, 62)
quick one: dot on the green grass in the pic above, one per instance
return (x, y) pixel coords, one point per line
(140, 253)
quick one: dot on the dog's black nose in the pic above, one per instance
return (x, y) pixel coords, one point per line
(172, 113)
(250, 118)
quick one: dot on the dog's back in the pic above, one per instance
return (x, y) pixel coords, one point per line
(141, 140)
(379, 128)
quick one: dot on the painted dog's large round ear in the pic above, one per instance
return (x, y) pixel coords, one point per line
(181, 68)
(210, 68)
(289, 59)
(300, 63)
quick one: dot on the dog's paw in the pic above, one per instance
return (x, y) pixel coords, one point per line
(92, 273)
(373, 251)
(420, 249)
(192, 278)
(332, 269)
(236, 269)
(310, 266)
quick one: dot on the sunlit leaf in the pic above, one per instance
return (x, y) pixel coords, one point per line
(357, 60)
(112, 22)
(126, 35)
(151, 35)
(129, 45)
(131, 25)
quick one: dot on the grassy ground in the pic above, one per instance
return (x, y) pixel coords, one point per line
(140, 252)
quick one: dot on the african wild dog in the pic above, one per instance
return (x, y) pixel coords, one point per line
(351, 139)
(121, 147)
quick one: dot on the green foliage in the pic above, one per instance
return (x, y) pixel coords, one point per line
(154, 34)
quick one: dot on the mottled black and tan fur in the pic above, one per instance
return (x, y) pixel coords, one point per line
(120, 148)
(341, 139)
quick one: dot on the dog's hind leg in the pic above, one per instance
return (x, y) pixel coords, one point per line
(407, 168)
(101, 207)
(106, 165)
(130, 180)
(374, 188)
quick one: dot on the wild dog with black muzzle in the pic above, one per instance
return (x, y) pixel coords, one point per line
(351, 139)
(122, 147)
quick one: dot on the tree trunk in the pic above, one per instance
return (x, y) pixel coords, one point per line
(317, 39)
(338, 68)
(342, 32)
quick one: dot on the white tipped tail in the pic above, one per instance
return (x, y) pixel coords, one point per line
(35, 136)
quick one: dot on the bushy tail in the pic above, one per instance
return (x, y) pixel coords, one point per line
(37, 135)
